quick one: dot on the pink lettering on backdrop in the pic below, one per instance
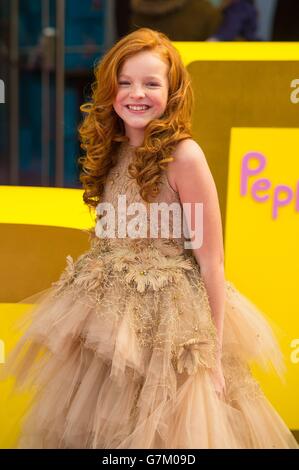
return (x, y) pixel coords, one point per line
(280, 202)
(258, 186)
(246, 171)
(262, 189)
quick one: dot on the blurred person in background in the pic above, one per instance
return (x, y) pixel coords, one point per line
(286, 21)
(122, 11)
(180, 20)
(239, 21)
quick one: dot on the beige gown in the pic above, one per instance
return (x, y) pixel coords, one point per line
(119, 350)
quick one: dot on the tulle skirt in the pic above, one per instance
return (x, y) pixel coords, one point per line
(119, 351)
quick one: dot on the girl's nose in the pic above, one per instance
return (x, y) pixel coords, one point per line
(136, 92)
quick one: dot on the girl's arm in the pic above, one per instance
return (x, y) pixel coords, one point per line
(195, 183)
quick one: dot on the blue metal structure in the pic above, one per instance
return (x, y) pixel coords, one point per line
(84, 43)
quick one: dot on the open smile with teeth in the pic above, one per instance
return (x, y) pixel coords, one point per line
(138, 107)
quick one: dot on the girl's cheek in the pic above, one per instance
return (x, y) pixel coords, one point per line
(120, 94)
(123, 94)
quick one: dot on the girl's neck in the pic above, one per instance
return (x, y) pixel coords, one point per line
(135, 136)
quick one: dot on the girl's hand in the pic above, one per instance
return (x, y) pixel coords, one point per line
(218, 380)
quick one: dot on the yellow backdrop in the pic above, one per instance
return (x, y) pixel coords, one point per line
(261, 250)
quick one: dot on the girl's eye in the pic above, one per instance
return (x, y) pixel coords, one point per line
(150, 84)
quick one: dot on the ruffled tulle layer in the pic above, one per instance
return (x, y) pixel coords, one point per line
(119, 354)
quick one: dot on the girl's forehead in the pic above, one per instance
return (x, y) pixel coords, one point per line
(146, 57)
(153, 65)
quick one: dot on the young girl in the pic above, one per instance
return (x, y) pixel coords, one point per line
(142, 343)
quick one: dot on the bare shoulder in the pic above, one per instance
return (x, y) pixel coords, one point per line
(188, 151)
(188, 157)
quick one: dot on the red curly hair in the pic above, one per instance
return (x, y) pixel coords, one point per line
(102, 130)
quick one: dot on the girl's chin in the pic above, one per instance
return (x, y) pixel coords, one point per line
(137, 122)
(140, 127)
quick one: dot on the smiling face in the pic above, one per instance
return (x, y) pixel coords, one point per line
(142, 93)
